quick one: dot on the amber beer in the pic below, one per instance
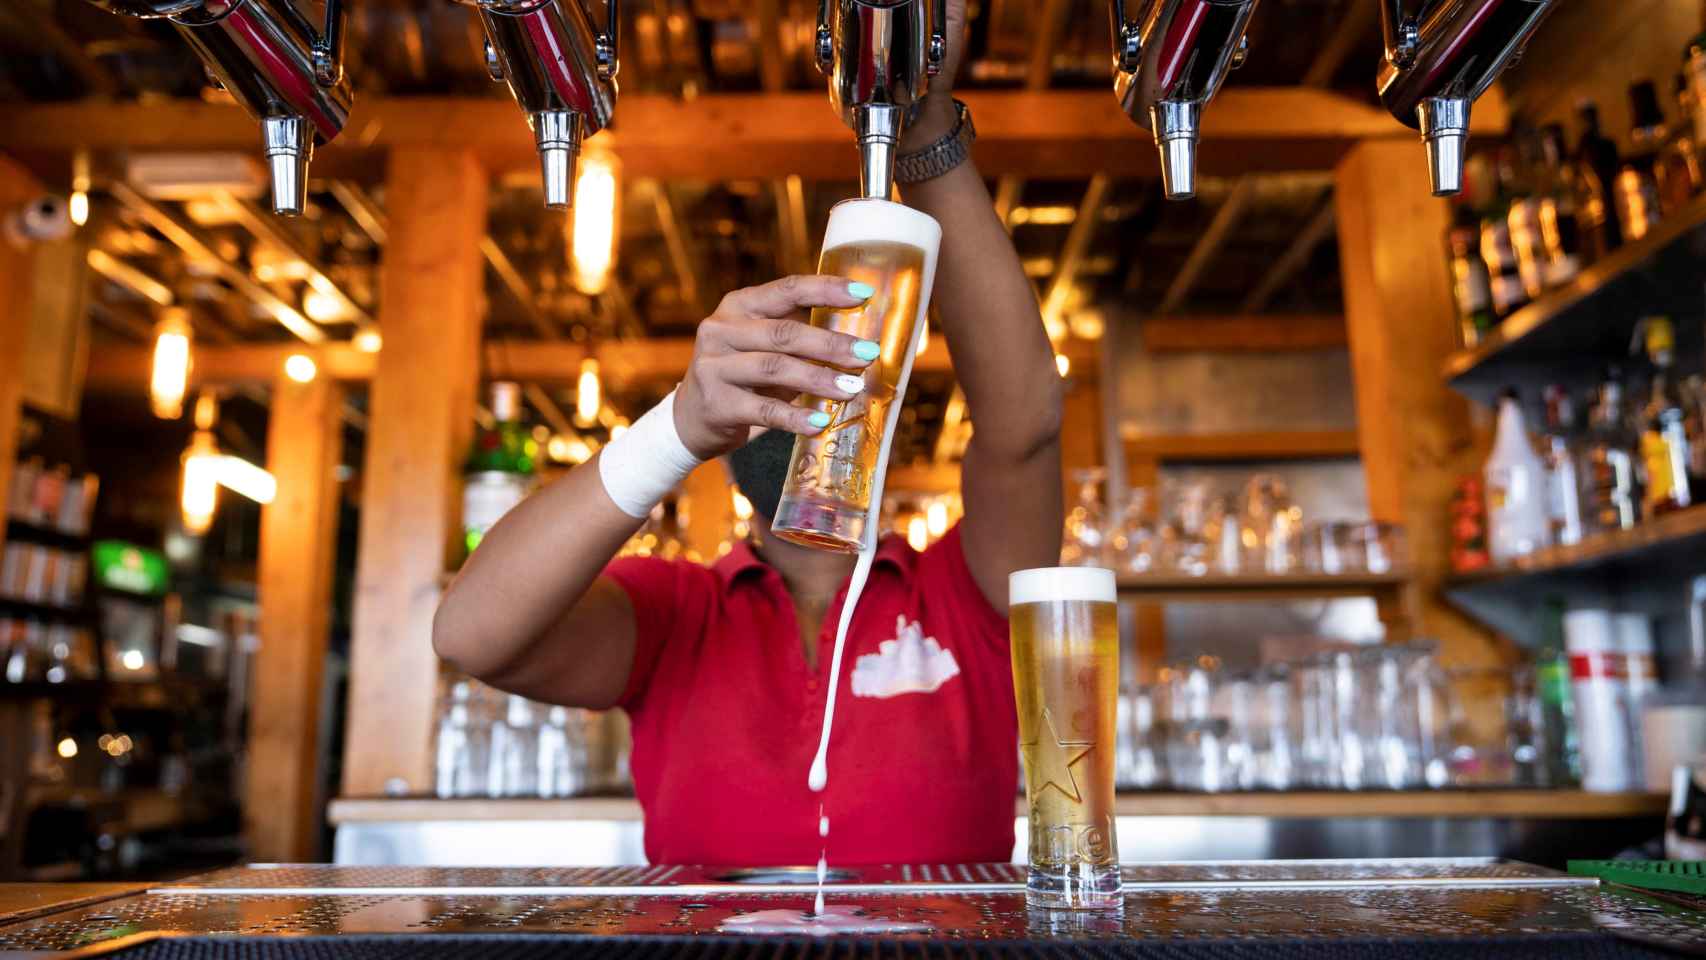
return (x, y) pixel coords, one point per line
(1066, 665)
(831, 477)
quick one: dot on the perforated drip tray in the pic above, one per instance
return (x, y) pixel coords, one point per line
(320, 880)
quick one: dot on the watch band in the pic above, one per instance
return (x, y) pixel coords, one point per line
(938, 158)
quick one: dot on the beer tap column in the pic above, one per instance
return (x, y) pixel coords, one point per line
(277, 66)
(562, 72)
(879, 55)
(1439, 59)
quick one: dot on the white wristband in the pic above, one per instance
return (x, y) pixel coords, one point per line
(646, 461)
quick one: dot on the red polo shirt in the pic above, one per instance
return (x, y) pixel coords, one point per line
(923, 764)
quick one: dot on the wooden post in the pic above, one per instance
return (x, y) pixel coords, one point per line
(710, 509)
(1414, 432)
(16, 186)
(281, 809)
(422, 401)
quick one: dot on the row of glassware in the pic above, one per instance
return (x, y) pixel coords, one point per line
(1191, 529)
(493, 744)
(1379, 717)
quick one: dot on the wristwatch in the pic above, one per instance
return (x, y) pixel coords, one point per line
(938, 158)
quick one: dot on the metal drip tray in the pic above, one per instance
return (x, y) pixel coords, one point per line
(318, 880)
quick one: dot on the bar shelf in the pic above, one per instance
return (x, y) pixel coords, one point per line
(1569, 334)
(1451, 804)
(1260, 586)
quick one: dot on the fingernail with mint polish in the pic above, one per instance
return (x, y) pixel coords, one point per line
(819, 419)
(849, 384)
(866, 349)
(861, 290)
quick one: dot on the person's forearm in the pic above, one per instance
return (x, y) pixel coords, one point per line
(989, 317)
(530, 570)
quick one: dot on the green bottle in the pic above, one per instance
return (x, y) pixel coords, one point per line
(1560, 752)
(499, 471)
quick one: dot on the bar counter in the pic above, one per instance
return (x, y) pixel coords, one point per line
(1398, 908)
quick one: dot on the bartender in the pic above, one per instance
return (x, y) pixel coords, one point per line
(722, 669)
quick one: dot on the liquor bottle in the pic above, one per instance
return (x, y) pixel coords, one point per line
(1510, 294)
(1609, 482)
(1635, 192)
(1559, 225)
(1694, 73)
(1518, 174)
(1664, 441)
(1680, 172)
(1470, 286)
(1516, 488)
(1563, 487)
(1593, 169)
(499, 469)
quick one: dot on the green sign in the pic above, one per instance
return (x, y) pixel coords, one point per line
(129, 568)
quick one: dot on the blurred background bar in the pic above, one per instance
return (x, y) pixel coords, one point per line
(1402, 491)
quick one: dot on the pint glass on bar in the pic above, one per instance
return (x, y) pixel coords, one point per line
(830, 477)
(1066, 662)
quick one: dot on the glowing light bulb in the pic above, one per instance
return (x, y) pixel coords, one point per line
(241, 476)
(300, 367)
(936, 518)
(67, 748)
(743, 506)
(592, 242)
(78, 208)
(132, 660)
(367, 339)
(588, 393)
(170, 376)
(1062, 363)
(320, 306)
(917, 533)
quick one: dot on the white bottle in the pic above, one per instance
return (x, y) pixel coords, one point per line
(1516, 488)
(1635, 638)
(1601, 693)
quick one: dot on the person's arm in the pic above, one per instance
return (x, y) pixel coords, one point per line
(529, 612)
(1010, 480)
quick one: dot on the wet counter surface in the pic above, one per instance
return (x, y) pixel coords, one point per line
(1319, 902)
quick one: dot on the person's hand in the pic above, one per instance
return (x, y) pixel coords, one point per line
(936, 115)
(755, 353)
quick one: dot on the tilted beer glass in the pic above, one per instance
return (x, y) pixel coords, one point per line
(1066, 663)
(832, 476)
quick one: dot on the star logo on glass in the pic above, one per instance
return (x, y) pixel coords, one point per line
(1052, 759)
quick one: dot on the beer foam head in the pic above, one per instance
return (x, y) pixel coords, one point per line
(1044, 584)
(851, 221)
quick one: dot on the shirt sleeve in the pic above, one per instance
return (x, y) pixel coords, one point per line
(948, 580)
(660, 592)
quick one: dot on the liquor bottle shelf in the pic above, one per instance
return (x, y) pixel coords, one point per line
(1259, 586)
(1452, 804)
(1569, 334)
(1669, 542)
(1646, 569)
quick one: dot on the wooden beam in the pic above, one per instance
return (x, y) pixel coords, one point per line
(431, 282)
(1250, 445)
(282, 793)
(1072, 250)
(115, 369)
(1414, 432)
(1208, 244)
(17, 266)
(1240, 333)
(654, 359)
(1045, 133)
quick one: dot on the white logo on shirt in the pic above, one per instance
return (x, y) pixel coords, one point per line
(910, 663)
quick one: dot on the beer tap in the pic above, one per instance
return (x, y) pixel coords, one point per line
(1439, 58)
(1168, 64)
(879, 56)
(562, 72)
(268, 55)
